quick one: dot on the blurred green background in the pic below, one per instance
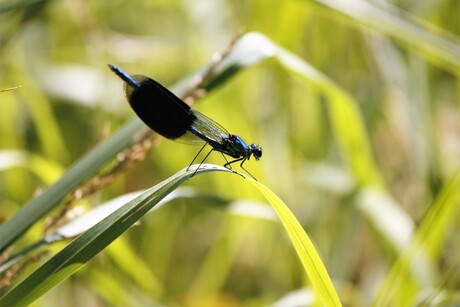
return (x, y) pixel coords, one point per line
(396, 63)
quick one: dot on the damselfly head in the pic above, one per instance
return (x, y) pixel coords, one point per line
(256, 151)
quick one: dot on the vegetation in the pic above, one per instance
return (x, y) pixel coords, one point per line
(354, 103)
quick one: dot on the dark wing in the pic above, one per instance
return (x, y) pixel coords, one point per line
(167, 114)
(158, 108)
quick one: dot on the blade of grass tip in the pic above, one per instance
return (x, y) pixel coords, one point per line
(90, 243)
(305, 249)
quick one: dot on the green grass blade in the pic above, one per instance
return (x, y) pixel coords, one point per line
(42, 116)
(346, 119)
(304, 247)
(89, 244)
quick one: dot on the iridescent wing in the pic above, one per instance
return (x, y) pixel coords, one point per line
(203, 129)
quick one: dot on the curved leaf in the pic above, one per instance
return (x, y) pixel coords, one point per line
(310, 259)
(89, 244)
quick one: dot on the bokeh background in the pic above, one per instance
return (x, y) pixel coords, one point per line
(395, 62)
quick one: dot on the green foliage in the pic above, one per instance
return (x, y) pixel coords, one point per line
(354, 103)
(91, 242)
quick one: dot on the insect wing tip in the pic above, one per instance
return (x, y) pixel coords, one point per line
(129, 80)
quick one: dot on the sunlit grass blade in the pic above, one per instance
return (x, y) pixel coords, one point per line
(42, 115)
(89, 244)
(310, 259)
(346, 118)
(427, 241)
